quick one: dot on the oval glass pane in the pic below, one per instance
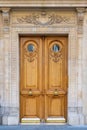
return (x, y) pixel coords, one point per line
(55, 48)
(30, 47)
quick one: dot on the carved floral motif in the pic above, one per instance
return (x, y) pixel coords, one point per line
(44, 18)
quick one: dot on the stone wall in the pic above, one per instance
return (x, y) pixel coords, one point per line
(15, 22)
(1, 67)
(84, 69)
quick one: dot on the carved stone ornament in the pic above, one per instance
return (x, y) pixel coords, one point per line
(43, 18)
(80, 19)
(6, 18)
(30, 56)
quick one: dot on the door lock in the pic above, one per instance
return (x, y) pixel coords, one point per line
(30, 92)
(55, 92)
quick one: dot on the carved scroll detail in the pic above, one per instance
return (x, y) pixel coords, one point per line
(55, 56)
(30, 56)
(43, 18)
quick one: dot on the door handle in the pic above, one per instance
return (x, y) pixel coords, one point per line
(55, 92)
(30, 92)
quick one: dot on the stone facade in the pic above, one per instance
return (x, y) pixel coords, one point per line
(57, 21)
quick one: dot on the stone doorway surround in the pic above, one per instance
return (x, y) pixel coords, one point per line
(42, 21)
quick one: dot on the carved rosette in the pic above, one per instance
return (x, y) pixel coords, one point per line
(30, 56)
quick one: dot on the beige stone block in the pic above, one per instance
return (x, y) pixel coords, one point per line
(85, 120)
(76, 119)
(12, 120)
(81, 119)
(5, 120)
(73, 119)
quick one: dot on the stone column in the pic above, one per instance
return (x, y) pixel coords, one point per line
(80, 93)
(84, 68)
(1, 68)
(6, 58)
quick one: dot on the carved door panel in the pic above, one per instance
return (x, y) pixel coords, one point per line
(30, 79)
(56, 79)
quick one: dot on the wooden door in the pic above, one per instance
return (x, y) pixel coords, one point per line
(30, 79)
(56, 79)
(43, 79)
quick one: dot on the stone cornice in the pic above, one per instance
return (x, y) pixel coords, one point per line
(43, 3)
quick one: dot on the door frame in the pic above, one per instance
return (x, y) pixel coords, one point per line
(72, 38)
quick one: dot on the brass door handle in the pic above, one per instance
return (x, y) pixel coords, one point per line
(30, 92)
(55, 92)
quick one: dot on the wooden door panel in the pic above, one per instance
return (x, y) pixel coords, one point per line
(30, 76)
(55, 77)
(54, 74)
(31, 64)
(30, 106)
(31, 80)
(55, 106)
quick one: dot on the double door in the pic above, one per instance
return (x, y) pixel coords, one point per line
(43, 79)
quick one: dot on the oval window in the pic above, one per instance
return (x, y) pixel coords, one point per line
(30, 47)
(55, 48)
